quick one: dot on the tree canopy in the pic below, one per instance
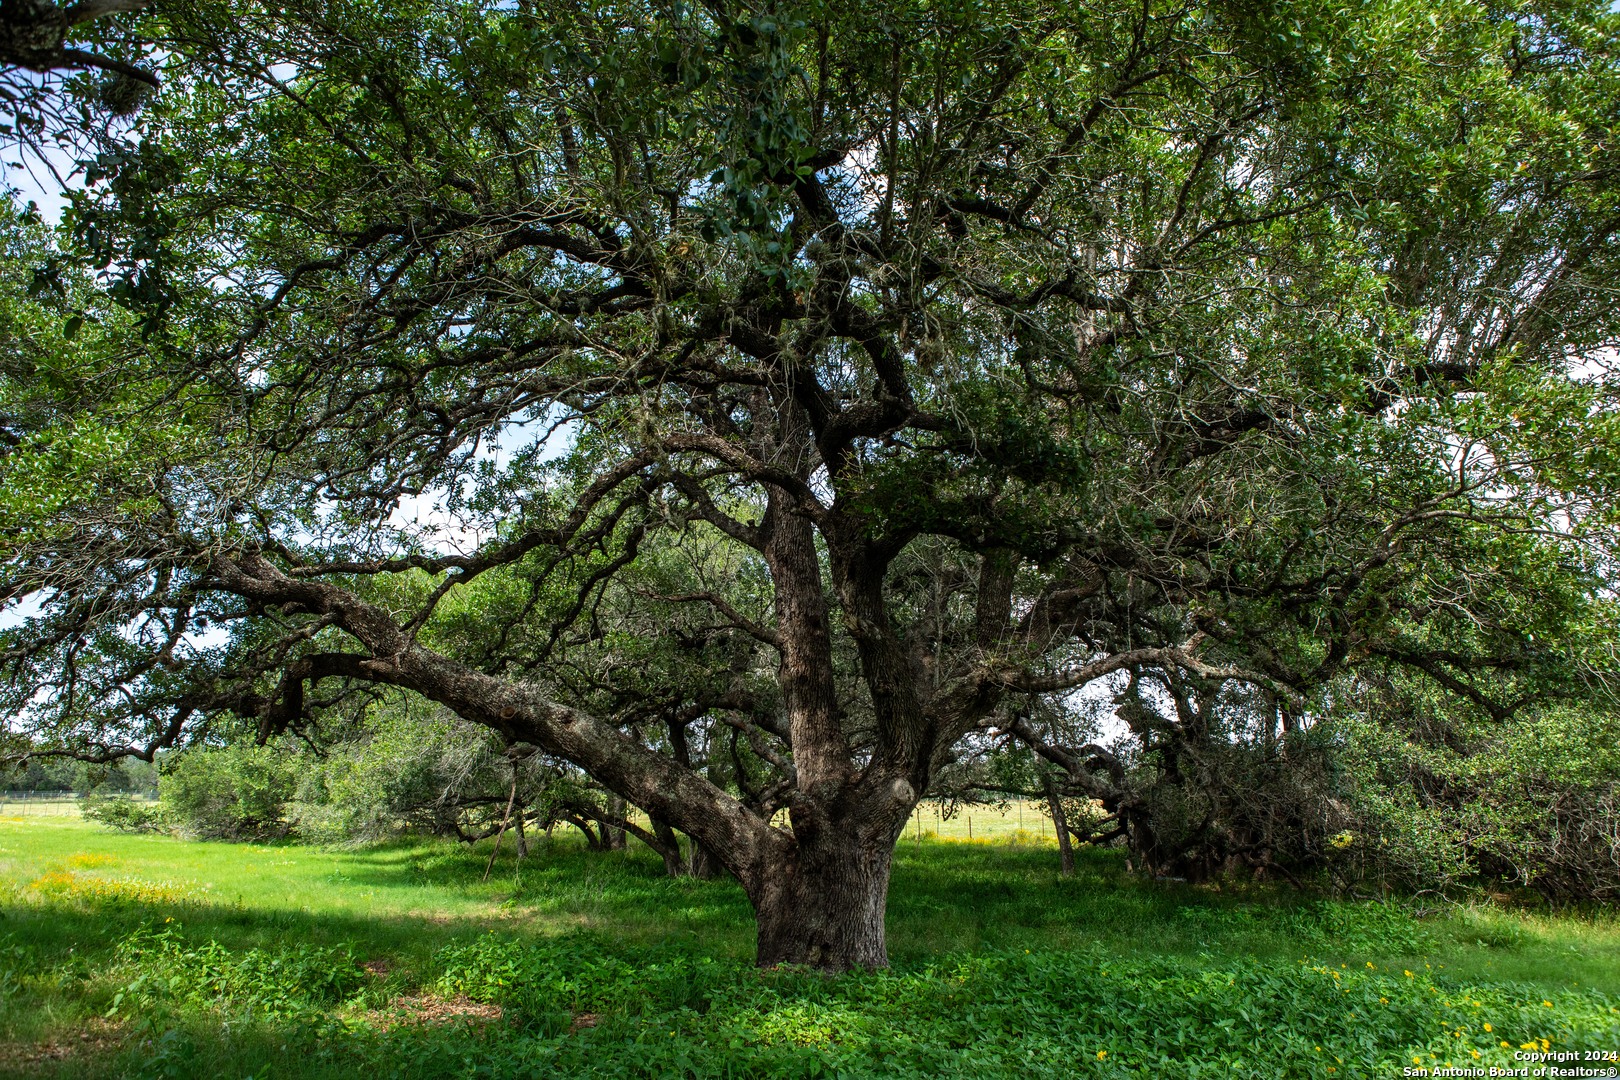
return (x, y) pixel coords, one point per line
(759, 405)
(67, 74)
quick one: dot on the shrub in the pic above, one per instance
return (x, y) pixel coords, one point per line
(1440, 796)
(126, 814)
(237, 792)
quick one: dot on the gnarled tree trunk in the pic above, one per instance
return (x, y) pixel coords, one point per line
(823, 907)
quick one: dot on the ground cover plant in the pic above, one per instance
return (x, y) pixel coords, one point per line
(153, 956)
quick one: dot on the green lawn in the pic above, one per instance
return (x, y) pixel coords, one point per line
(150, 956)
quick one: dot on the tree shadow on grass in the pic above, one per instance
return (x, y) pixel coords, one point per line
(650, 938)
(945, 899)
(952, 897)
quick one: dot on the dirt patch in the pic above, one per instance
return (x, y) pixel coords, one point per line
(432, 1010)
(439, 918)
(427, 1009)
(99, 1038)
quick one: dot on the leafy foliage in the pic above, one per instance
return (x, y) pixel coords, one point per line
(1441, 794)
(126, 815)
(665, 1012)
(231, 794)
(763, 408)
(295, 982)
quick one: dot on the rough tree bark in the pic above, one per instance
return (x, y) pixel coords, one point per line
(1060, 825)
(34, 34)
(824, 906)
(615, 837)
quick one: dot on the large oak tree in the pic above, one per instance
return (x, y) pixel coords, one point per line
(754, 405)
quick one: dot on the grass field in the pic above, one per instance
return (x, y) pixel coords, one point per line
(156, 957)
(25, 806)
(1018, 821)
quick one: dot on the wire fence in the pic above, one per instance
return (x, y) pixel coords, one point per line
(1019, 821)
(48, 803)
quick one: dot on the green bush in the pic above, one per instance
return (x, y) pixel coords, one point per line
(236, 792)
(1441, 797)
(125, 814)
(403, 772)
(1397, 787)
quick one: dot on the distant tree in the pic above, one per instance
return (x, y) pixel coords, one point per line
(759, 406)
(410, 767)
(55, 774)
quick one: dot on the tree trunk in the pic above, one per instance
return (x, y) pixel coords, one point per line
(702, 863)
(1065, 848)
(825, 909)
(614, 838)
(674, 865)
